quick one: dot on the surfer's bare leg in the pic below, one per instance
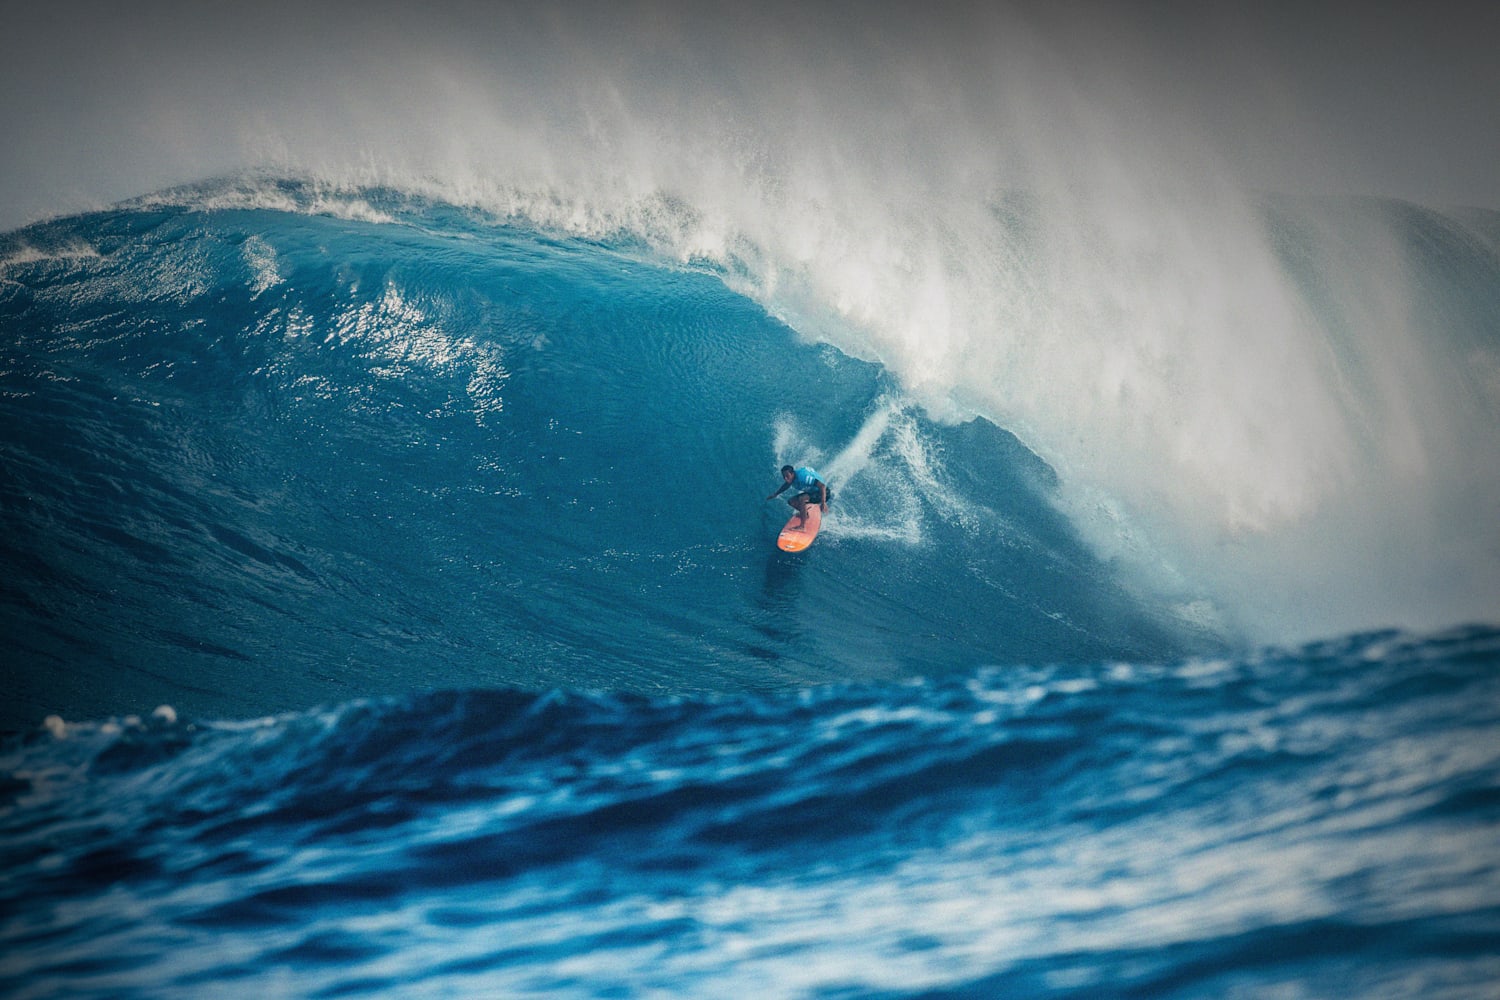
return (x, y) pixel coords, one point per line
(799, 504)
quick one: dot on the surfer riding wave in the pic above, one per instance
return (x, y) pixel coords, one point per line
(809, 486)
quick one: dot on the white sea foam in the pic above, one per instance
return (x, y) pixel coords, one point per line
(260, 257)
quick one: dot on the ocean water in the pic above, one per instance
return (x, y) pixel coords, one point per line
(390, 607)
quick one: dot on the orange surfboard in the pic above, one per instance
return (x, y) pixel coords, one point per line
(795, 539)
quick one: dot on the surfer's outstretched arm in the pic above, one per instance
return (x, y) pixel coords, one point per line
(787, 475)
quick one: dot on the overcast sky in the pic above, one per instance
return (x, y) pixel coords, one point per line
(103, 101)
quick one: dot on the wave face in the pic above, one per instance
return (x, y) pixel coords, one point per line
(1318, 822)
(409, 448)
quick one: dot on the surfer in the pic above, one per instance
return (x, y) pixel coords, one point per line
(809, 485)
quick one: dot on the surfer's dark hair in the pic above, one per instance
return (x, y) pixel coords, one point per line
(787, 468)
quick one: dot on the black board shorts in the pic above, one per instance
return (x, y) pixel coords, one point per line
(812, 497)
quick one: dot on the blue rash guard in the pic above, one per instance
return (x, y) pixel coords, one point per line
(805, 483)
(806, 480)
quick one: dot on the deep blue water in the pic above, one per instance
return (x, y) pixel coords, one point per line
(443, 537)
